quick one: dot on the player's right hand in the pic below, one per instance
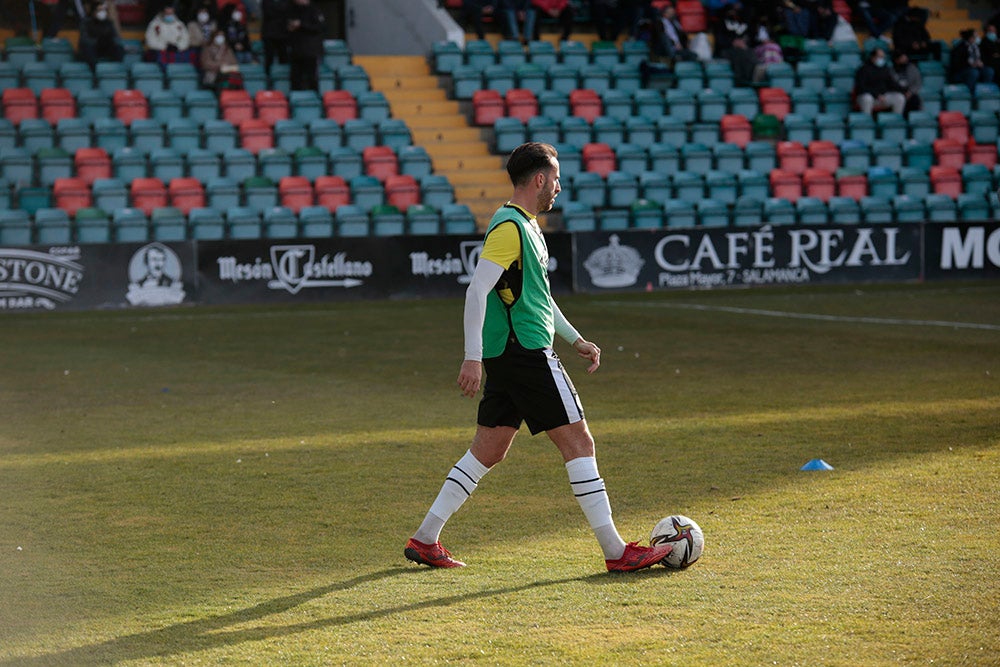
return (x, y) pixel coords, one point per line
(470, 377)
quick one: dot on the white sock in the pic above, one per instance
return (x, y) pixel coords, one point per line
(588, 487)
(461, 482)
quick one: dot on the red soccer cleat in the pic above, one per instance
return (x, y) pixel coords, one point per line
(434, 555)
(637, 558)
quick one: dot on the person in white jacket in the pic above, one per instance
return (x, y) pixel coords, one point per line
(167, 37)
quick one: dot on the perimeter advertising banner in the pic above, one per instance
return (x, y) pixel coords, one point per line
(726, 257)
(75, 277)
(352, 268)
(962, 250)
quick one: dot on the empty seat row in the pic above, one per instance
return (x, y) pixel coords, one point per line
(753, 211)
(168, 223)
(481, 53)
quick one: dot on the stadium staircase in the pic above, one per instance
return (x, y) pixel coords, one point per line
(458, 150)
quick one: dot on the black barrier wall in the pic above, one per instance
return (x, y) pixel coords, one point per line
(81, 277)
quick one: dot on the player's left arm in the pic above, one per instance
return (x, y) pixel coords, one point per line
(584, 348)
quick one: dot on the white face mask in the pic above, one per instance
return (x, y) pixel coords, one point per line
(219, 40)
(202, 17)
(237, 16)
(101, 15)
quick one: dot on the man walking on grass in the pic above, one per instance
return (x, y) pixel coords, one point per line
(510, 322)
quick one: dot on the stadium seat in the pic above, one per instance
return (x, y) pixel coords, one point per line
(487, 107)
(146, 134)
(949, 152)
(168, 223)
(422, 220)
(223, 192)
(855, 154)
(887, 153)
(458, 219)
(91, 164)
(315, 222)
(953, 125)
(786, 184)
(586, 104)
(36, 133)
(235, 105)
(736, 129)
(332, 192)
(52, 164)
(941, 207)
(56, 104)
(109, 194)
(622, 189)
(914, 182)
(640, 130)
(688, 186)
(645, 214)
(166, 164)
(680, 213)
(147, 194)
(271, 106)
(280, 222)
(345, 162)
(183, 134)
(844, 210)
(402, 191)
(521, 103)
(130, 225)
(260, 193)
(186, 193)
(351, 220)
(243, 222)
(290, 134)
(883, 181)
(655, 186)
(295, 193)
(973, 207)
(274, 163)
(608, 130)
(908, 209)
(359, 133)
(311, 162)
(53, 226)
(256, 135)
(984, 154)
(129, 105)
(747, 211)
(325, 134)
(588, 188)
(774, 102)
(92, 225)
(207, 224)
(819, 183)
(811, 211)
(201, 105)
(852, 183)
(19, 104)
(71, 194)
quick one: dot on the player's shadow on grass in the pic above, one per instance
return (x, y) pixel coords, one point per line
(220, 631)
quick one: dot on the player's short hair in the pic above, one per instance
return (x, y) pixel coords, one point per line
(528, 159)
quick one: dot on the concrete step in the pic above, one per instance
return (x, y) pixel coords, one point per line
(448, 135)
(397, 66)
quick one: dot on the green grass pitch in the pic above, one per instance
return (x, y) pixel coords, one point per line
(210, 486)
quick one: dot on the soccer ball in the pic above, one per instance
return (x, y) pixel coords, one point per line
(686, 537)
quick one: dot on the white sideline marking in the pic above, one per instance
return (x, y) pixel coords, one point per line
(813, 316)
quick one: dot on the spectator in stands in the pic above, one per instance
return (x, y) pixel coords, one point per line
(99, 39)
(910, 36)
(731, 27)
(966, 64)
(672, 40)
(201, 27)
(875, 85)
(561, 10)
(606, 18)
(519, 13)
(994, 21)
(881, 15)
(797, 18)
(232, 22)
(824, 22)
(167, 38)
(218, 62)
(991, 48)
(274, 31)
(306, 31)
(909, 79)
(475, 11)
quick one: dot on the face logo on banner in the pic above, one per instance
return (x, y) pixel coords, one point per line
(614, 265)
(31, 279)
(154, 277)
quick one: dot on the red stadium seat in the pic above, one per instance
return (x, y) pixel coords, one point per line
(598, 158)
(946, 181)
(340, 105)
(819, 183)
(18, 104)
(186, 193)
(983, 154)
(272, 105)
(949, 153)
(852, 184)
(487, 106)
(792, 156)
(256, 135)
(774, 102)
(402, 191)
(296, 192)
(56, 104)
(236, 106)
(953, 125)
(380, 161)
(585, 103)
(332, 191)
(71, 194)
(147, 194)
(92, 163)
(736, 129)
(785, 184)
(521, 103)
(824, 155)
(130, 105)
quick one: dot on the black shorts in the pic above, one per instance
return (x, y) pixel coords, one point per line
(530, 386)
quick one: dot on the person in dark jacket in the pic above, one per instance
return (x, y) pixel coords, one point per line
(910, 36)
(306, 30)
(875, 84)
(99, 39)
(232, 23)
(966, 64)
(274, 31)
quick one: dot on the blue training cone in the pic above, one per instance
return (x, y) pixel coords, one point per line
(817, 464)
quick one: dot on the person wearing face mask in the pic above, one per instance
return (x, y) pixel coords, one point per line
(910, 80)
(876, 85)
(990, 48)
(167, 38)
(99, 38)
(218, 62)
(966, 64)
(202, 27)
(232, 23)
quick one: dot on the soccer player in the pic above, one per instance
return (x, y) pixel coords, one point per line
(510, 323)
